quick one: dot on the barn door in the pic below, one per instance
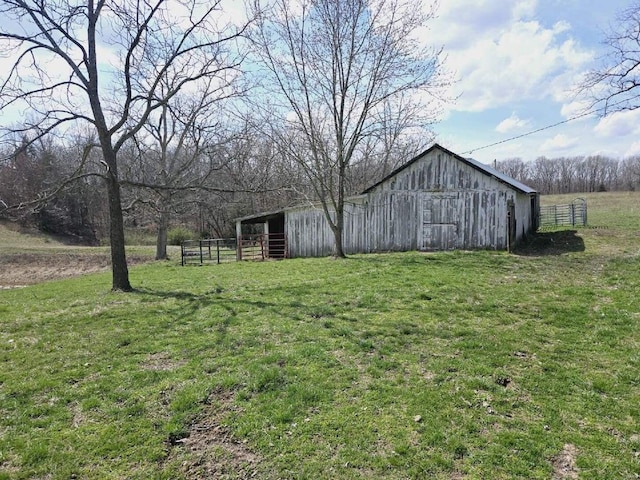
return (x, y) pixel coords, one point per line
(439, 222)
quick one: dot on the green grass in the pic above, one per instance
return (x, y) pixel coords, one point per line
(449, 365)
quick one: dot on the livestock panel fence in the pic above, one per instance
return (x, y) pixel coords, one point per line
(573, 214)
(262, 246)
(246, 247)
(210, 250)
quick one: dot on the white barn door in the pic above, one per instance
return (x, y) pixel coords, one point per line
(439, 222)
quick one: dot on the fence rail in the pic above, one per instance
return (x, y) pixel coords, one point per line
(573, 214)
(262, 246)
(219, 250)
(210, 250)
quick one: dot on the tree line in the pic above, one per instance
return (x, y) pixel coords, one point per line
(574, 174)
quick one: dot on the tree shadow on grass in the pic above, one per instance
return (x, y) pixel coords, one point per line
(188, 304)
(555, 242)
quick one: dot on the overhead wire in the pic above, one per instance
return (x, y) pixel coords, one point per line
(547, 127)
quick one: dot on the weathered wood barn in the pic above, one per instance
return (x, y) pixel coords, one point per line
(436, 201)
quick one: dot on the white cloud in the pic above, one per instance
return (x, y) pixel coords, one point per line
(512, 123)
(502, 55)
(633, 150)
(619, 124)
(576, 108)
(559, 143)
(461, 22)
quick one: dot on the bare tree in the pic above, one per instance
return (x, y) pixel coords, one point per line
(514, 167)
(101, 63)
(544, 173)
(396, 141)
(178, 151)
(335, 67)
(614, 86)
(630, 173)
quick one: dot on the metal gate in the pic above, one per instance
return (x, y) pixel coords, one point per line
(573, 214)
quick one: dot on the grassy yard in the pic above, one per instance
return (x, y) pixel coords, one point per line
(448, 366)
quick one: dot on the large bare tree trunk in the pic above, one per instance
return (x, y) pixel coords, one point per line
(119, 269)
(338, 227)
(161, 241)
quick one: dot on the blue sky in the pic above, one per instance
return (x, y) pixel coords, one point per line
(516, 64)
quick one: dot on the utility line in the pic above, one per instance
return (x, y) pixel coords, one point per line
(589, 112)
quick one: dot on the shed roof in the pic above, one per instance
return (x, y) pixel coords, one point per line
(486, 169)
(260, 217)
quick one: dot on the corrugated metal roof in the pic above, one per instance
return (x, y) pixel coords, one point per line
(501, 176)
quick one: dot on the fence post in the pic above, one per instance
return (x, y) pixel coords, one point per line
(573, 214)
(201, 259)
(218, 250)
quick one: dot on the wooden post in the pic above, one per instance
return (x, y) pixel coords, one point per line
(238, 241)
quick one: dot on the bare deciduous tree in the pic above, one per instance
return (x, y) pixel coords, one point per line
(178, 151)
(614, 86)
(101, 63)
(335, 67)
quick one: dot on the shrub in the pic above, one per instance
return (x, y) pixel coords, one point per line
(137, 236)
(177, 235)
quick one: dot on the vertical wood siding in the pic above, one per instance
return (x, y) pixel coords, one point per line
(436, 203)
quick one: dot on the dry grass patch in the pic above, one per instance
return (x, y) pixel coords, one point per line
(19, 269)
(564, 464)
(161, 361)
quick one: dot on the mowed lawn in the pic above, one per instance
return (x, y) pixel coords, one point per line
(463, 365)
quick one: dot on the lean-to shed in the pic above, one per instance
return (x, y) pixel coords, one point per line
(436, 201)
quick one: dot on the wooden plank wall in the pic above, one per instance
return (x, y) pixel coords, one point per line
(436, 203)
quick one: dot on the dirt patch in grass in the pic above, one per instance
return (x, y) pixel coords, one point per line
(161, 361)
(210, 450)
(27, 268)
(564, 464)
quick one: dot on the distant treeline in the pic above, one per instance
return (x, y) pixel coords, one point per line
(574, 174)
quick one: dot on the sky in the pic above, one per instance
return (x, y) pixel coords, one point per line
(516, 64)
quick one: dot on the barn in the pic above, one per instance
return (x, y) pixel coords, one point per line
(436, 201)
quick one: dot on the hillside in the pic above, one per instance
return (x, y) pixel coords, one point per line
(30, 257)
